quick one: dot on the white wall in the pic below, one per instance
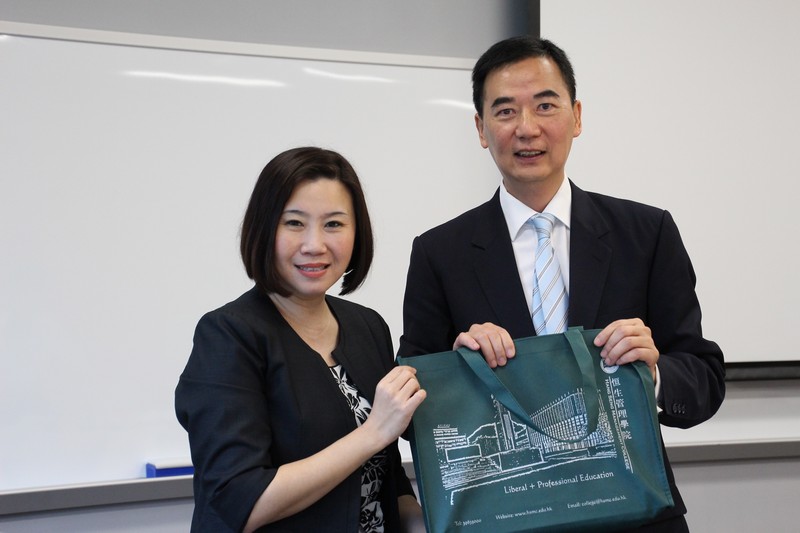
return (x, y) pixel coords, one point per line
(689, 106)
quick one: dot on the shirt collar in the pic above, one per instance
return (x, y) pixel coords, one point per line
(517, 214)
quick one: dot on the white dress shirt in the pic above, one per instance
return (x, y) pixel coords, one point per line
(525, 241)
(523, 235)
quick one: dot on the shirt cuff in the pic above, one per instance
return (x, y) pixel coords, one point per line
(657, 383)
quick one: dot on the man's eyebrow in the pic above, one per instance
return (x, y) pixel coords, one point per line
(500, 100)
(547, 93)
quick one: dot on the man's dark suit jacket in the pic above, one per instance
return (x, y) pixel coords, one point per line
(254, 396)
(627, 260)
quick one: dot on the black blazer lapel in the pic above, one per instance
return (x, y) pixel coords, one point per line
(496, 270)
(359, 349)
(589, 260)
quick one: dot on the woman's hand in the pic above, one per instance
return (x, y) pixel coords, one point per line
(397, 396)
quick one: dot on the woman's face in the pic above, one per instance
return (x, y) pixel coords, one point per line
(315, 237)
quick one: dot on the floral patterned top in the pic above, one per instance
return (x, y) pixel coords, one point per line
(375, 469)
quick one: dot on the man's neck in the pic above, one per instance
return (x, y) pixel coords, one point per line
(535, 195)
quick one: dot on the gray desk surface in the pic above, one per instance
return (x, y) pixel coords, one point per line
(144, 490)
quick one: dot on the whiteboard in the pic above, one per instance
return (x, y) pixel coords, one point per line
(124, 175)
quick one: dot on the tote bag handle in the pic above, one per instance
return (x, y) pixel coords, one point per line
(585, 363)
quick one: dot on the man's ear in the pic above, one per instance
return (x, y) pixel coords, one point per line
(576, 110)
(479, 126)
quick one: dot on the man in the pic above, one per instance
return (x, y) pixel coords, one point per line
(472, 281)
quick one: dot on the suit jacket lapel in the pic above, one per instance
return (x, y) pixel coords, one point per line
(496, 270)
(358, 357)
(589, 260)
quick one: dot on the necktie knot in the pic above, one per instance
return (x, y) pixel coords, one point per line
(543, 222)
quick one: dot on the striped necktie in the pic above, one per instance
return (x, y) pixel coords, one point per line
(549, 293)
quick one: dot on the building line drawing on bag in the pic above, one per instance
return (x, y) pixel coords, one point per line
(505, 448)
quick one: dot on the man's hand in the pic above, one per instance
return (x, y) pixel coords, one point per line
(628, 340)
(491, 340)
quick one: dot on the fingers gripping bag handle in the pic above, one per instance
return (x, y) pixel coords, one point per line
(581, 357)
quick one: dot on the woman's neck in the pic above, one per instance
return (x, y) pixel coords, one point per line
(313, 322)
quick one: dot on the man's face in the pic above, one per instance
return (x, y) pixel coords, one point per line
(528, 124)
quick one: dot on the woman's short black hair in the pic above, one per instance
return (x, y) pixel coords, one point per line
(273, 189)
(513, 50)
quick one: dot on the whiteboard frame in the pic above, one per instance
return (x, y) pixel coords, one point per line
(63, 33)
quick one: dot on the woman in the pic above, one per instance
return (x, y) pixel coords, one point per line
(290, 397)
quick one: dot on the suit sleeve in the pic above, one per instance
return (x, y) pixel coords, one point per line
(221, 402)
(402, 483)
(427, 326)
(691, 367)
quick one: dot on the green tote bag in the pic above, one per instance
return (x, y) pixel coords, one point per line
(552, 441)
